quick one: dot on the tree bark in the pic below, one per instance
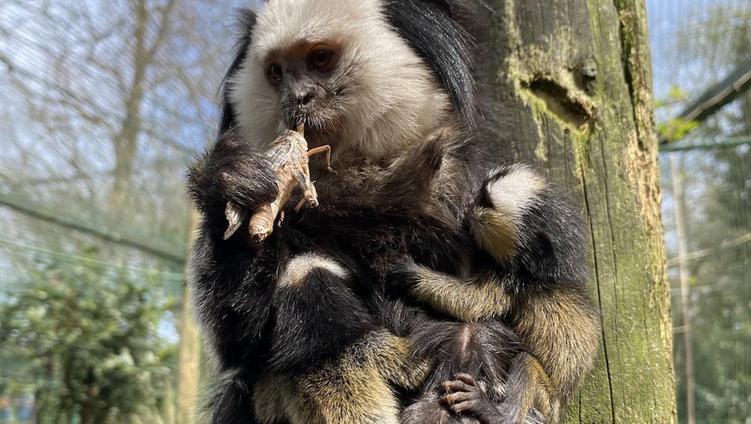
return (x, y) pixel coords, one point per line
(570, 90)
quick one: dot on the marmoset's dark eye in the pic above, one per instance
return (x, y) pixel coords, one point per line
(321, 59)
(274, 72)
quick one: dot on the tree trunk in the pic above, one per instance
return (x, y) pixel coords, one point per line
(125, 142)
(189, 351)
(571, 90)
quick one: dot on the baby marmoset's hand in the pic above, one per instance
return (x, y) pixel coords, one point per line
(464, 396)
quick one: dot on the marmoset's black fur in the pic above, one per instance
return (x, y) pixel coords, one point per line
(428, 286)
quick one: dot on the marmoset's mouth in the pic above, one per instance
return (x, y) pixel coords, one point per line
(296, 116)
(318, 126)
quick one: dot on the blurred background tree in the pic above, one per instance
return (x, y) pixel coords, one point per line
(88, 337)
(102, 106)
(703, 43)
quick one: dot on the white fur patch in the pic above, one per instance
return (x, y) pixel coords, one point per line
(390, 98)
(516, 191)
(300, 266)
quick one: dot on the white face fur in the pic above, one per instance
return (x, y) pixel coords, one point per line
(386, 96)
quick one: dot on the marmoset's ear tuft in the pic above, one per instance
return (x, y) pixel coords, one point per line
(434, 29)
(246, 23)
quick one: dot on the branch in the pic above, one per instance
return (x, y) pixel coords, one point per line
(163, 27)
(701, 253)
(717, 96)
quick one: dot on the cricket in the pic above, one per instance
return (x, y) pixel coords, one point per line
(289, 156)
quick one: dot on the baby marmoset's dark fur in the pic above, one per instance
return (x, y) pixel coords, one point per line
(321, 322)
(306, 306)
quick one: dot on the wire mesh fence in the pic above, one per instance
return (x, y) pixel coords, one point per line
(708, 234)
(103, 104)
(706, 185)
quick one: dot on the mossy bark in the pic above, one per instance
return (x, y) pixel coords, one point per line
(570, 89)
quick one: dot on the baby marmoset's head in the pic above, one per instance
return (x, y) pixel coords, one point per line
(365, 76)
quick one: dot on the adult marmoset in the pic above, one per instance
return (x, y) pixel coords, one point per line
(324, 321)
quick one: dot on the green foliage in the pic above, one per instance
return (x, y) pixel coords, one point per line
(89, 338)
(675, 129)
(675, 95)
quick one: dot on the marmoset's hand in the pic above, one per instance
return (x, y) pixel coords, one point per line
(232, 171)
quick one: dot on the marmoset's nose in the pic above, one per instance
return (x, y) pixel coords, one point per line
(304, 99)
(300, 91)
(301, 96)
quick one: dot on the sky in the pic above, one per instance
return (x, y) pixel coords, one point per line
(667, 19)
